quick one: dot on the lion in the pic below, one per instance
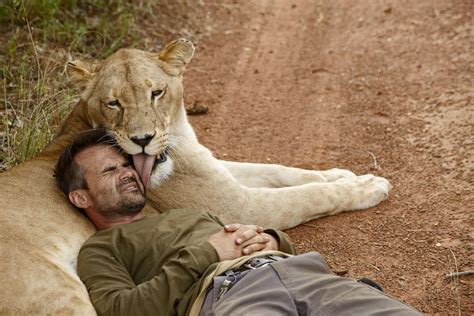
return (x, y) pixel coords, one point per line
(138, 97)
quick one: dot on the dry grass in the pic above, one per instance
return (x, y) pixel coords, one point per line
(33, 102)
(38, 37)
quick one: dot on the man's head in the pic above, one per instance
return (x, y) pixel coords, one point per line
(97, 178)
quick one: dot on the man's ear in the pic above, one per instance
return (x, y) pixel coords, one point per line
(176, 55)
(81, 72)
(80, 198)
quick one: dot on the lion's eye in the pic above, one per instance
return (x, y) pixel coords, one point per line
(115, 104)
(157, 94)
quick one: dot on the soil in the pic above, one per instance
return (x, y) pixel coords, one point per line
(382, 87)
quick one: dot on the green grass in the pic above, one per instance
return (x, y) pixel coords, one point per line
(37, 38)
(98, 26)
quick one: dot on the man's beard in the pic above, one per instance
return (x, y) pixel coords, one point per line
(125, 206)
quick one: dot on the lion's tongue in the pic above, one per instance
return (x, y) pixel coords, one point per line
(144, 164)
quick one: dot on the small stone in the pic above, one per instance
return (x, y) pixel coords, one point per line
(341, 271)
(197, 109)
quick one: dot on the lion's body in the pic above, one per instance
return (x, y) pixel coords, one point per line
(40, 238)
(41, 233)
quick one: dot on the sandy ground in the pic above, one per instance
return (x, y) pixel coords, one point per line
(382, 87)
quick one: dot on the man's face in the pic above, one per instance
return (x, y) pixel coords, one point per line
(113, 185)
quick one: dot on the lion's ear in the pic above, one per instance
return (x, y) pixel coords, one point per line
(81, 72)
(176, 55)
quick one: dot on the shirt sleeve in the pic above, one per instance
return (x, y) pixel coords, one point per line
(113, 292)
(284, 242)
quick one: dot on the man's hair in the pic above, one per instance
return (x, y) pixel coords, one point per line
(68, 173)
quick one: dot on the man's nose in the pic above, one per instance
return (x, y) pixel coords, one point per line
(126, 172)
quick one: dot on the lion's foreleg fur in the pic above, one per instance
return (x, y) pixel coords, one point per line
(258, 175)
(207, 185)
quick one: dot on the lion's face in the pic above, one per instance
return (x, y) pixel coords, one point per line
(137, 96)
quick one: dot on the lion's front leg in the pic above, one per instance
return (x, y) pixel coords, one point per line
(255, 175)
(205, 184)
(291, 206)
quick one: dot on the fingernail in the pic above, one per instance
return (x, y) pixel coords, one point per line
(239, 240)
(246, 251)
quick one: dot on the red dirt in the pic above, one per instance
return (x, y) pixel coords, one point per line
(381, 87)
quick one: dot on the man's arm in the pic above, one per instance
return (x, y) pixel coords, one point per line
(284, 242)
(113, 292)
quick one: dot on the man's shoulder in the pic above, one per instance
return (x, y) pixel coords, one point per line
(184, 213)
(105, 237)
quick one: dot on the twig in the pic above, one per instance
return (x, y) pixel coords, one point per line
(33, 45)
(455, 279)
(376, 268)
(309, 225)
(424, 230)
(380, 244)
(453, 275)
(376, 166)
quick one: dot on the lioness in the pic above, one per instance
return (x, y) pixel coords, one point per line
(138, 97)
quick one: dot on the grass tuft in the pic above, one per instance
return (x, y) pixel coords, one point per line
(38, 37)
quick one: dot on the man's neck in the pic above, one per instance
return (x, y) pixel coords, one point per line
(105, 223)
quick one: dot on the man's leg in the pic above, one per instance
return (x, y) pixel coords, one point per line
(260, 292)
(318, 292)
(304, 285)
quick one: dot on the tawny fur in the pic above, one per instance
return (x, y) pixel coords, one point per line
(41, 233)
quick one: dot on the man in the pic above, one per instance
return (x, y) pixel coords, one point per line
(184, 261)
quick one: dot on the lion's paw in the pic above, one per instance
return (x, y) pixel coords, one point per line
(370, 191)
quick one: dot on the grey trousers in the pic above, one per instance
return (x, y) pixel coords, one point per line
(300, 285)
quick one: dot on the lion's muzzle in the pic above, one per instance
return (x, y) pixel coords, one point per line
(142, 141)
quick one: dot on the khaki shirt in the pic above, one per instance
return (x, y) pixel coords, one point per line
(154, 266)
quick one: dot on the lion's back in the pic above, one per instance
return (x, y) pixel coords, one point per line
(40, 236)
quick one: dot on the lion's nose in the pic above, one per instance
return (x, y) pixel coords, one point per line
(142, 141)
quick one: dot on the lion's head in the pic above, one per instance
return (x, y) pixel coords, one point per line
(138, 97)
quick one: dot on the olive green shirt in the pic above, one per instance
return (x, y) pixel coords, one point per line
(153, 266)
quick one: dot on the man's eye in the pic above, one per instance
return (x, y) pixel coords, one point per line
(157, 94)
(109, 170)
(115, 104)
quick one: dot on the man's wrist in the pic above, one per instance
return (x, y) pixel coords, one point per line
(273, 241)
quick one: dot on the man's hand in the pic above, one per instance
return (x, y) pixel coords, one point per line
(237, 240)
(252, 245)
(272, 244)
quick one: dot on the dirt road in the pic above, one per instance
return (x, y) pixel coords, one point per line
(381, 87)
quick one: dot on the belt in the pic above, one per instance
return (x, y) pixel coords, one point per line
(256, 262)
(232, 276)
